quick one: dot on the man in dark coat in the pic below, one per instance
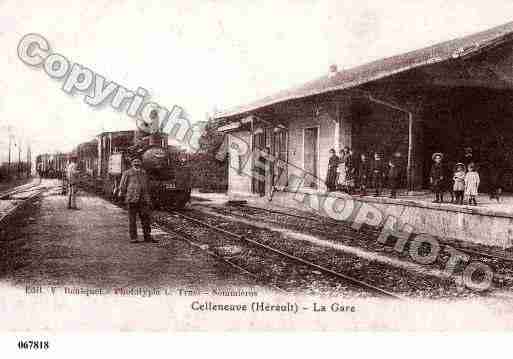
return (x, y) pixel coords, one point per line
(363, 174)
(351, 168)
(395, 173)
(378, 172)
(437, 177)
(72, 180)
(135, 188)
(495, 169)
(470, 157)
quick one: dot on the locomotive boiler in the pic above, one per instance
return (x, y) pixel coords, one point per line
(103, 162)
(168, 174)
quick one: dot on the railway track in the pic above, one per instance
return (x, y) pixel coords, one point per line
(13, 196)
(500, 264)
(191, 241)
(291, 257)
(19, 189)
(372, 234)
(368, 245)
(386, 281)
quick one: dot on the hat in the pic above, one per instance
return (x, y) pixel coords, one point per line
(437, 154)
(459, 164)
(135, 158)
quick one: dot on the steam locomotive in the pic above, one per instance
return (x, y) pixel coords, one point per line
(102, 161)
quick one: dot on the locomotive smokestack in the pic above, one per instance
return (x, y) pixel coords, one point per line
(333, 70)
(148, 130)
(155, 137)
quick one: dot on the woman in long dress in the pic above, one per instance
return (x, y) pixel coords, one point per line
(341, 171)
(471, 184)
(350, 170)
(331, 177)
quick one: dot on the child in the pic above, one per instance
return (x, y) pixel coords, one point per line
(459, 183)
(437, 178)
(363, 174)
(377, 173)
(471, 184)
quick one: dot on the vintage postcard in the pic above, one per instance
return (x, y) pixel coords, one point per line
(221, 165)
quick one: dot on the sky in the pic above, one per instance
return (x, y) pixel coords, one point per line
(203, 55)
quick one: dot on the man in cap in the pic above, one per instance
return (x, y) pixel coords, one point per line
(135, 188)
(72, 178)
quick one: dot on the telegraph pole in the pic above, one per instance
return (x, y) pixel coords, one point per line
(9, 160)
(30, 161)
(27, 168)
(19, 160)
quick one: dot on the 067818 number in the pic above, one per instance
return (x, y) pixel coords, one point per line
(33, 344)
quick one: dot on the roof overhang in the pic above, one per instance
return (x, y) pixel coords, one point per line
(229, 127)
(459, 49)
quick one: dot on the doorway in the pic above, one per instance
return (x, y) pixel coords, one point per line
(258, 182)
(311, 155)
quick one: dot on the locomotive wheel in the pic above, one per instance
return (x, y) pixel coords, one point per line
(182, 198)
(180, 204)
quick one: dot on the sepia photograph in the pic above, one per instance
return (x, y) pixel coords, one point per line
(249, 166)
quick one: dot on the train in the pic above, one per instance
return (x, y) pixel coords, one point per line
(102, 161)
(51, 165)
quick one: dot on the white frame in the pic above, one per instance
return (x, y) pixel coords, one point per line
(318, 127)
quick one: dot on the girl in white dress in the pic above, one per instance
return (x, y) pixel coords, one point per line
(471, 184)
(459, 183)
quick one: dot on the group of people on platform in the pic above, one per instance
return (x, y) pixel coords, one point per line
(464, 182)
(349, 173)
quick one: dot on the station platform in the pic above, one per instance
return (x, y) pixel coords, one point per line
(50, 245)
(490, 223)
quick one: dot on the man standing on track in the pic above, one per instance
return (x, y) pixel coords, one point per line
(135, 188)
(72, 177)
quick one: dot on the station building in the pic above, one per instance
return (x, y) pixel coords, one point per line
(443, 98)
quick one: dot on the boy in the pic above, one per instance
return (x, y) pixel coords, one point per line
(437, 177)
(377, 173)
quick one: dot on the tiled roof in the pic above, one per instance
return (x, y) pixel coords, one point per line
(345, 79)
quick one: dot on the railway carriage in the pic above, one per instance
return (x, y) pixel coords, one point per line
(51, 165)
